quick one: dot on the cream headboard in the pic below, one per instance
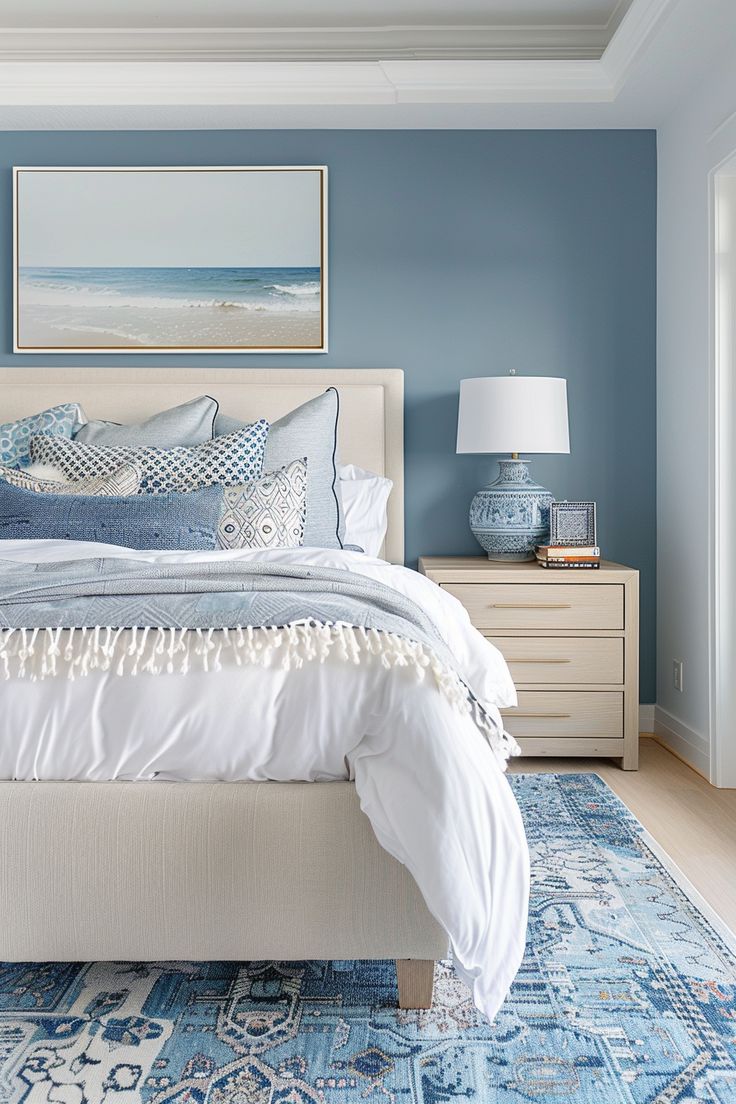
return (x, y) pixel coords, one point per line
(371, 428)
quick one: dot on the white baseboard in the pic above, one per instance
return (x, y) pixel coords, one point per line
(684, 741)
(646, 718)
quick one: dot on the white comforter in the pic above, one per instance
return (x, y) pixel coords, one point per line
(427, 779)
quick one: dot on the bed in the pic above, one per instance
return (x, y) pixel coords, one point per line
(216, 869)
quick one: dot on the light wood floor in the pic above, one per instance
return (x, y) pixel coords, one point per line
(694, 822)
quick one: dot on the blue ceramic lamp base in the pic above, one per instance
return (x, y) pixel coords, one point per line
(510, 516)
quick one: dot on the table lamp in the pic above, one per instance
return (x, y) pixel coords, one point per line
(513, 414)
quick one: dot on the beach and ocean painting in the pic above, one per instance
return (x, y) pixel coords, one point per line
(80, 230)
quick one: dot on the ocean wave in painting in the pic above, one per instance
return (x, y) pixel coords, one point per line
(270, 290)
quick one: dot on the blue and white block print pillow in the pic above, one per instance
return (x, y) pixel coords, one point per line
(227, 461)
(15, 437)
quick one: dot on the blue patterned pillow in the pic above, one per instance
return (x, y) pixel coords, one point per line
(165, 521)
(15, 437)
(228, 461)
(264, 513)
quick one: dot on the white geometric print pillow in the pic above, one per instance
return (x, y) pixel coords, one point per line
(225, 461)
(268, 512)
(120, 483)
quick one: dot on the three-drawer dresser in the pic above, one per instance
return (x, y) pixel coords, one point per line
(571, 640)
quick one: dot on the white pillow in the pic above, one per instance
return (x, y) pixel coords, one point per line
(364, 500)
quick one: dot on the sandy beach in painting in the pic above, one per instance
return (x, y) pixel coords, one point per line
(214, 327)
(165, 307)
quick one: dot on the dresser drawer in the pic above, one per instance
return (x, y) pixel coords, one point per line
(563, 659)
(571, 714)
(541, 605)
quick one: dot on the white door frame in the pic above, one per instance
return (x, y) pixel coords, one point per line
(722, 481)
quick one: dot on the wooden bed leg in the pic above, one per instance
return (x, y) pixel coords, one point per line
(416, 982)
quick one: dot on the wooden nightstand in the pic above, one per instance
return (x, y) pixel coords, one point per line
(571, 640)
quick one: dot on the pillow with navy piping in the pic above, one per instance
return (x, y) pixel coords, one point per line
(188, 424)
(310, 430)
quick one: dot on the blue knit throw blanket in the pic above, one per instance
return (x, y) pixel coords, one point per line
(133, 617)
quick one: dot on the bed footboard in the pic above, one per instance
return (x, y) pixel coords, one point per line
(160, 870)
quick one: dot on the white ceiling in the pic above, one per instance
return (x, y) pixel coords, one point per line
(167, 78)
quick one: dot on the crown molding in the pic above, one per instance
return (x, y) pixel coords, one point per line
(498, 82)
(132, 83)
(254, 83)
(228, 83)
(451, 42)
(640, 23)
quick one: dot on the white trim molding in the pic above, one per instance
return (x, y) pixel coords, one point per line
(691, 746)
(646, 719)
(317, 43)
(640, 23)
(722, 458)
(340, 66)
(240, 84)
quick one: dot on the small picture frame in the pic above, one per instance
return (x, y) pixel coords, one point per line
(572, 524)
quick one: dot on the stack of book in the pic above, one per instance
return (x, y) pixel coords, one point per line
(561, 555)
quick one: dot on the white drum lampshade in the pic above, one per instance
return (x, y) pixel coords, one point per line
(512, 414)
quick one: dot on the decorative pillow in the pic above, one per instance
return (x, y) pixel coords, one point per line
(364, 499)
(268, 512)
(189, 424)
(228, 461)
(15, 436)
(265, 513)
(311, 431)
(185, 521)
(124, 481)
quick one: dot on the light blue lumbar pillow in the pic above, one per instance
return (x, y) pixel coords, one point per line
(15, 437)
(189, 424)
(185, 521)
(311, 431)
(263, 513)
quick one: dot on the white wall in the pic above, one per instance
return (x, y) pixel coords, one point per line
(698, 135)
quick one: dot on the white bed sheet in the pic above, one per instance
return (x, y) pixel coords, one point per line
(427, 779)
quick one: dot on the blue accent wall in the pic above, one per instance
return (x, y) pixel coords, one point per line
(460, 253)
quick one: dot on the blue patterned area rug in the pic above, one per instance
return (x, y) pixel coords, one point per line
(627, 994)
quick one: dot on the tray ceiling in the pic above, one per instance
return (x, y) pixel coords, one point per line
(154, 64)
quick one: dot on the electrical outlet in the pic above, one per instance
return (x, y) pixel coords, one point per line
(677, 674)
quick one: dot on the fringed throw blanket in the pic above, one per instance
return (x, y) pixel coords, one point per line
(127, 617)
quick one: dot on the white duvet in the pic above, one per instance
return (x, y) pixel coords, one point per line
(427, 779)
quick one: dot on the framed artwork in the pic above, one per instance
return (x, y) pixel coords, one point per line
(572, 524)
(170, 260)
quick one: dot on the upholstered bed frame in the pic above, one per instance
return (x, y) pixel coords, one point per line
(193, 870)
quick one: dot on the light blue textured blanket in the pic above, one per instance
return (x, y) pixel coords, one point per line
(268, 613)
(123, 593)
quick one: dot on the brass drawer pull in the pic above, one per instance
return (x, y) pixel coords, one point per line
(540, 716)
(531, 660)
(531, 605)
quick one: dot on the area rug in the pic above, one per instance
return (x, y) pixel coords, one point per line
(627, 994)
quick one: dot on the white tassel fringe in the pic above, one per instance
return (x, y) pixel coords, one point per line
(38, 654)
